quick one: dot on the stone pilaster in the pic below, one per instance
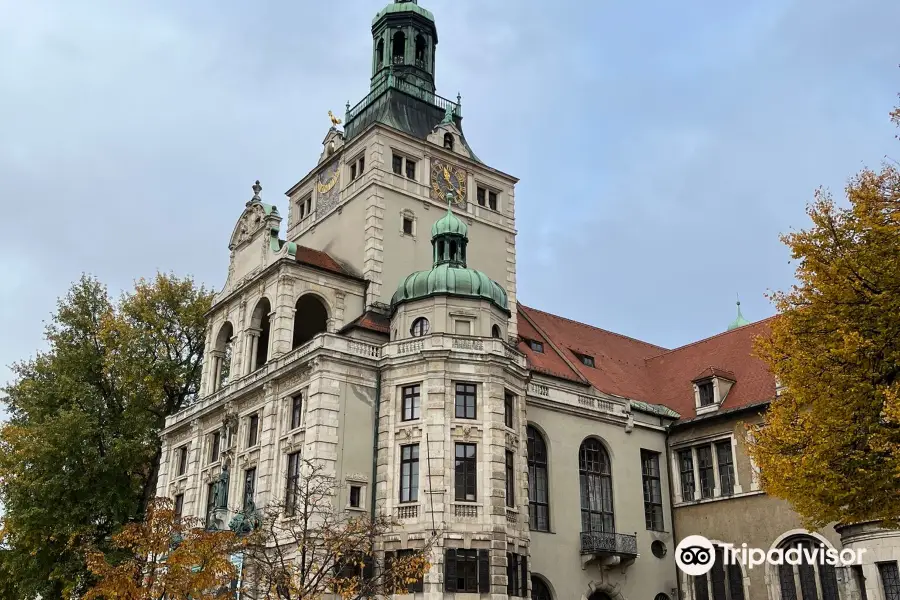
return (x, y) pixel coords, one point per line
(282, 330)
(374, 239)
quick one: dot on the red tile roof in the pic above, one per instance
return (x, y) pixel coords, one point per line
(322, 260)
(372, 321)
(638, 370)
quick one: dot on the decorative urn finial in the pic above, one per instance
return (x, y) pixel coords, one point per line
(256, 190)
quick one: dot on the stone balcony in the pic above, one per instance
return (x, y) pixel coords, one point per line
(608, 547)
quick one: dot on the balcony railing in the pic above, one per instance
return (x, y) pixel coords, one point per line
(601, 542)
(407, 88)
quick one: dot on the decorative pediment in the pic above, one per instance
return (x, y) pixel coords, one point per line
(251, 222)
(449, 137)
(333, 142)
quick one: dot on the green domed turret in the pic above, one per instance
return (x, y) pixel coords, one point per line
(449, 275)
(740, 321)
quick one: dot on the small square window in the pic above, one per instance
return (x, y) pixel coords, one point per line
(536, 346)
(397, 164)
(407, 226)
(355, 496)
(410, 169)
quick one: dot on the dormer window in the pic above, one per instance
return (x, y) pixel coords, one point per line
(707, 393)
(536, 346)
(585, 359)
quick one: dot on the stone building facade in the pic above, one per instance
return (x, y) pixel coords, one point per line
(552, 455)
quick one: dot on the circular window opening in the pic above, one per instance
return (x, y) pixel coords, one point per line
(419, 327)
(661, 596)
(659, 550)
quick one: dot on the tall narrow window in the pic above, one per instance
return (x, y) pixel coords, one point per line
(253, 430)
(480, 195)
(410, 401)
(516, 575)
(210, 502)
(215, 441)
(355, 496)
(686, 470)
(653, 511)
(179, 507)
(293, 483)
(509, 401)
(296, 411)
(465, 471)
(492, 200)
(410, 169)
(726, 467)
(397, 164)
(510, 479)
(409, 473)
(249, 488)
(706, 472)
(538, 494)
(596, 488)
(723, 582)
(466, 399)
(890, 580)
(182, 454)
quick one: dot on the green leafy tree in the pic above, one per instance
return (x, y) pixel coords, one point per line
(80, 451)
(830, 444)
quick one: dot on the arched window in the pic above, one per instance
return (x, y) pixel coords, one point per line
(448, 141)
(596, 488)
(495, 332)
(398, 48)
(599, 595)
(379, 54)
(259, 330)
(419, 327)
(310, 319)
(453, 250)
(221, 371)
(420, 52)
(807, 580)
(538, 493)
(539, 589)
(722, 582)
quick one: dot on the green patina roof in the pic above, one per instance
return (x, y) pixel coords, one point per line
(653, 409)
(449, 223)
(396, 7)
(740, 321)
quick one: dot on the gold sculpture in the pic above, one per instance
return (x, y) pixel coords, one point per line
(334, 120)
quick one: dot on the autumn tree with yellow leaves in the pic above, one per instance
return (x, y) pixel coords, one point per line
(830, 443)
(165, 558)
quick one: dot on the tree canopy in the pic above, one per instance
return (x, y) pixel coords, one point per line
(80, 451)
(830, 444)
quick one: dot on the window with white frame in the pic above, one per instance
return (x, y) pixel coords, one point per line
(407, 223)
(706, 471)
(486, 197)
(403, 166)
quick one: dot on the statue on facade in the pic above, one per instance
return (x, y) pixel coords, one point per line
(220, 490)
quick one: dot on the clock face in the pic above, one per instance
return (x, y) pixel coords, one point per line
(446, 177)
(327, 188)
(327, 179)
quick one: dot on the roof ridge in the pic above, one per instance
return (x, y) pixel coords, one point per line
(712, 337)
(629, 338)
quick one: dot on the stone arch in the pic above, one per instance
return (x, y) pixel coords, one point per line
(379, 54)
(221, 356)
(311, 316)
(539, 580)
(398, 48)
(601, 590)
(260, 333)
(773, 572)
(421, 52)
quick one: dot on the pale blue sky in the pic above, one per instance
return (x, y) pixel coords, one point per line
(662, 147)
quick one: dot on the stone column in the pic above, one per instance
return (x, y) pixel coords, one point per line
(253, 347)
(216, 370)
(282, 322)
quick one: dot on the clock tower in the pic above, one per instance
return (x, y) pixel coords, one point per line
(388, 173)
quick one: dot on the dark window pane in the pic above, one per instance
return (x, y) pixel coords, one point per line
(701, 588)
(296, 410)
(538, 496)
(596, 487)
(705, 469)
(410, 169)
(508, 402)
(706, 393)
(890, 580)
(410, 402)
(686, 470)
(253, 431)
(355, 496)
(510, 479)
(397, 164)
(409, 473)
(492, 200)
(465, 473)
(465, 400)
(726, 467)
(652, 490)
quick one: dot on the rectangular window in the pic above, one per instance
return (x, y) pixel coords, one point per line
(352, 172)
(536, 346)
(296, 411)
(467, 571)
(410, 169)
(465, 400)
(410, 402)
(215, 440)
(309, 205)
(726, 467)
(210, 501)
(249, 488)
(355, 496)
(179, 506)
(480, 194)
(412, 588)
(465, 471)
(492, 200)
(253, 433)
(706, 393)
(510, 479)
(302, 209)
(509, 401)
(516, 575)
(890, 580)
(686, 470)
(397, 164)
(362, 164)
(293, 483)
(409, 473)
(182, 454)
(705, 470)
(653, 510)
(407, 226)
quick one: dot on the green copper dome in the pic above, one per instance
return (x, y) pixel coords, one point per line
(740, 321)
(410, 6)
(449, 275)
(449, 223)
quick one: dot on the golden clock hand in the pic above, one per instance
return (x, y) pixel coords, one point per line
(446, 175)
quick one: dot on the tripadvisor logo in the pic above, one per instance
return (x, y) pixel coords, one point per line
(695, 555)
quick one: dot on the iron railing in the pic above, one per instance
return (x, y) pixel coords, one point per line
(392, 82)
(601, 542)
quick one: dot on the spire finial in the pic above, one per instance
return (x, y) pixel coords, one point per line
(739, 321)
(256, 190)
(449, 197)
